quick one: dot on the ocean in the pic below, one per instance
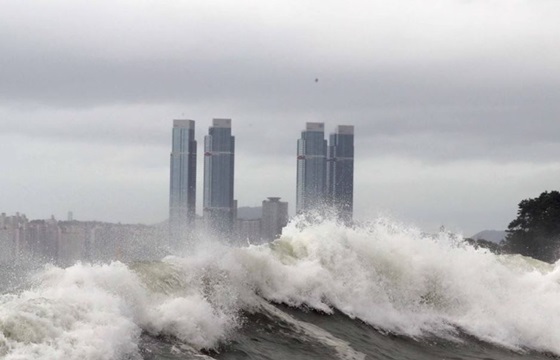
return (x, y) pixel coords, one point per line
(381, 290)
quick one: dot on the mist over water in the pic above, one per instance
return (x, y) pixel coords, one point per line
(323, 289)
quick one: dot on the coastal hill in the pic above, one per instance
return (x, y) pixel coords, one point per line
(495, 236)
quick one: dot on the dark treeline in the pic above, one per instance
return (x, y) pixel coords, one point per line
(535, 232)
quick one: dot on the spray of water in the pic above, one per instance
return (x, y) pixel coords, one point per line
(393, 277)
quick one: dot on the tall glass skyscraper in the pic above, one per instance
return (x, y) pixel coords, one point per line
(182, 192)
(311, 167)
(219, 156)
(340, 171)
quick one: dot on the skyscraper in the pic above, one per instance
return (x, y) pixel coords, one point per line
(340, 171)
(219, 155)
(274, 217)
(311, 167)
(182, 193)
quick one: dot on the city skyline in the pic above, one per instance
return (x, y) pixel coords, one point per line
(317, 186)
(455, 102)
(225, 123)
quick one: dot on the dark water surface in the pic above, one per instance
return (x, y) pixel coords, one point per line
(266, 337)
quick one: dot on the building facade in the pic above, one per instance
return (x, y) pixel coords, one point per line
(311, 168)
(219, 163)
(340, 172)
(248, 231)
(182, 193)
(274, 218)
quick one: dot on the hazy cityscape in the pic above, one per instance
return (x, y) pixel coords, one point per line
(325, 178)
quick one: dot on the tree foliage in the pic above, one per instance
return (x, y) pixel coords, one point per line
(536, 230)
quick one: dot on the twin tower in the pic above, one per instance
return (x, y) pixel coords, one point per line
(325, 172)
(219, 155)
(325, 175)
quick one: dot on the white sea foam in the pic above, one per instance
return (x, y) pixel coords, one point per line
(390, 276)
(401, 280)
(98, 312)
(75, 313)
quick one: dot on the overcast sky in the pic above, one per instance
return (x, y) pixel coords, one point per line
(456, 103)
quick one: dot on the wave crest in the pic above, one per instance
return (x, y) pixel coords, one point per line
(395, 278)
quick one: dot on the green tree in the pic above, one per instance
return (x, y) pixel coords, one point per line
(536, 230)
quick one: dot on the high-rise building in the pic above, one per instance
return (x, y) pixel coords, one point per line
(219, 155)
(182, 193)
(274, 218)
(340, 171)
(311, 167)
